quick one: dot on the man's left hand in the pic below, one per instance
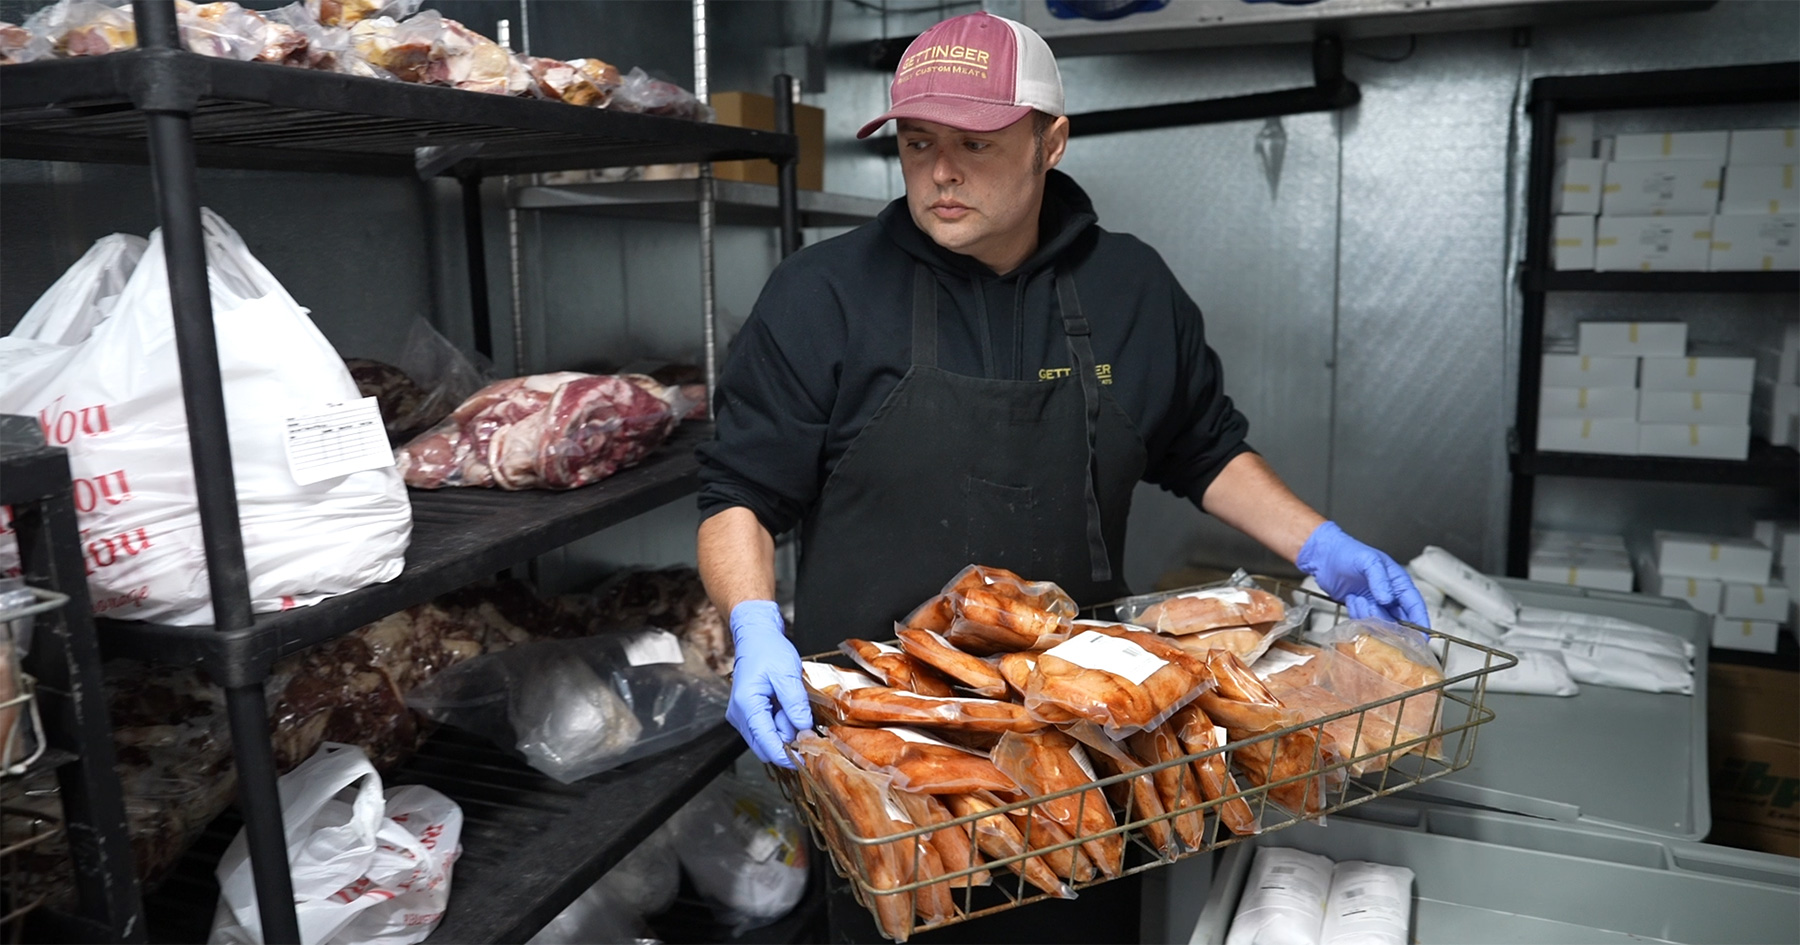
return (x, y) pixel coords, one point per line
(1370, 583)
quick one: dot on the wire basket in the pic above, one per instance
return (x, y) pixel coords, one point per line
(21, 745)
(1395, 759)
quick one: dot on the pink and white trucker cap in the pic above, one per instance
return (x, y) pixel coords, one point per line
(976, 72)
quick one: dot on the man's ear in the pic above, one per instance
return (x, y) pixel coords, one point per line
(1056, 141)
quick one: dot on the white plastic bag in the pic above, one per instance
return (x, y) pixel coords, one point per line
(1284, 899)
(1540, 672)
(1370, 904)
(742, 845)
(1561, 627)
(1471, 588)
(68, 311)
(366, 867)
(114, 401)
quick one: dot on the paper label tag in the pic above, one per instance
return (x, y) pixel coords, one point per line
(1230, 595)
(823, 676)
(339, 440)
(1094, 650)
(1081, 761)
(1220, 739)
(914, 735)
(1113, 623)
(764, 845)
(887, 649)
(894, 811)
(652, 648)
(1277, 660)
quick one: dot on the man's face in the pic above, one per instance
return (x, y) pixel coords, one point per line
(978, 193)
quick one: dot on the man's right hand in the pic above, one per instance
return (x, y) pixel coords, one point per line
(768, 699)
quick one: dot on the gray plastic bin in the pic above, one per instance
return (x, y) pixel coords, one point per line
(1483, 876)
(1607, 757)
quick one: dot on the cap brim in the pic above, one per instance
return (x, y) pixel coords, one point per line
(964, 114)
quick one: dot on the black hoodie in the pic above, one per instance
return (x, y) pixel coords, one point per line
(831, 336)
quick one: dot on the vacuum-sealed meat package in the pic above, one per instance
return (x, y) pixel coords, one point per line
(1048, 762)
(951, 844)
(854, 698)
(1120, 679)
(550, 431)
(997, 837)
(895, 668)
(934, 650)
(919, 763)
(1198, 734)
(1139, 797)
(1194, 611)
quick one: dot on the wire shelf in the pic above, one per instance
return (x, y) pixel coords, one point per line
(1395, 759)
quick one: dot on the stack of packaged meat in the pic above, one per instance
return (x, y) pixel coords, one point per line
(994, 695)
(544, 431)
(383, 39)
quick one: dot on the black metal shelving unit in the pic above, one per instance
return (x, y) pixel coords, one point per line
(65, 659)
(1551, 97)
(176, 110)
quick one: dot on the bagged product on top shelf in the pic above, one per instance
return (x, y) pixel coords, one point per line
(84, 27)
(638, 92)
(18, 44)
(575, 708)
(349, 12)
(590, 82)
(228, 31)
(311, 530)
(552, 431)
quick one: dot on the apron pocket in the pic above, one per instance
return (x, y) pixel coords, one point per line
(1000, 523)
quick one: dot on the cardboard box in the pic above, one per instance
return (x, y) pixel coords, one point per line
(1596, 403)
(1686, 554)
(1753, 716)
(1572, 243)
(1710, 407)
(1703, 594)
(1759, 837)
(1656, 188)
(1757, 636)
(1631, 339)
(1606, 570)
(1759, 188)
(1566, 435)
(1694, 440)
(1653, 244)
(1551, 539)
(1576, 187)
(1574, 138)
(1692, 145)
(1775, 413)
(751, 110)
(1759, 146)
(1581, 370)
(1755, 602)
(1724, 375)
(1766, 243)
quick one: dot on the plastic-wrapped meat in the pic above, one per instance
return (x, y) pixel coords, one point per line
(638, 92)
(84, 27)
(404, 51)
(1048, 762)
(18, 44)
(599, 425)
(349, 12)
(474, 63)
(400, 399)
(673, 599)
(588, 82)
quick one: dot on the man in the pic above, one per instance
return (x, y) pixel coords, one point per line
(982, 375)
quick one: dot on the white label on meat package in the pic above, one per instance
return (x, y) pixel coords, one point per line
(887, 649)
(1095, 650)
(337, 441)
(1230, 595)
(894, 811)
(823, 676)
(764, 845)
(914, 735)
(1081, 760)
(1220, 739)
(1278, 659)
(653, 647)
(1113, 623)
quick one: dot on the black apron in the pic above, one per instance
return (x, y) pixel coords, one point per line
(1034, 475)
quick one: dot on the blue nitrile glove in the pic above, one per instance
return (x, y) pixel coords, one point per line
(1370, 583)
(767, 671)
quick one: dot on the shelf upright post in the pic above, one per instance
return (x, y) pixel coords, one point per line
(788, 168)
(709, 323)
(473, 241)
(1541, 169)
(168, 119)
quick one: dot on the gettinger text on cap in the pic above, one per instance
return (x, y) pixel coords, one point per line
(975, 72)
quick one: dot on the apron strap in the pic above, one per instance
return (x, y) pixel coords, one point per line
(924, 327)
(1081, 358)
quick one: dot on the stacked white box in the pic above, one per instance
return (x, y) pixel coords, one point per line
(1660, 188)
(1582, 567)
(1632, 339)
(1755, 146)
(1553, 539)
(1572, 244)
(1759, 636)
(1661, 146)
(1717, 402)
(1574, 137)
(1702, 594)
(1576, 187)
(1586, 370)
(1593, 403)
(1761, 243)
(1755, 189)
(1723, 558)
(1775, 406)
(1755, 602)
(1783, 538)
(1562, 435)
(1675, 243)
